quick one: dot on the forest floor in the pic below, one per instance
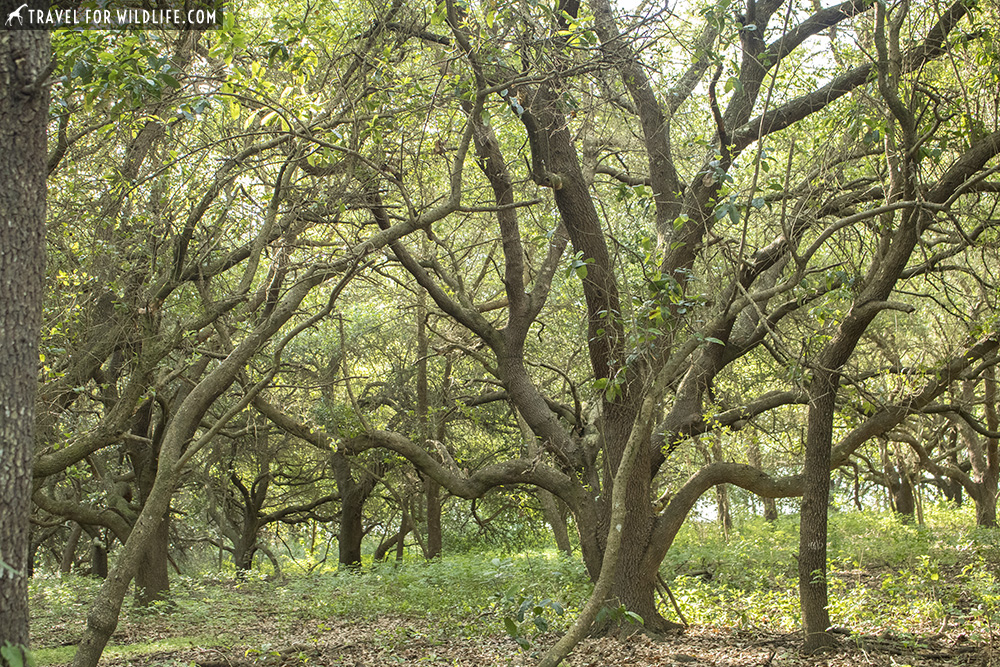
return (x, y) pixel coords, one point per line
(266, 642)
(899, 595)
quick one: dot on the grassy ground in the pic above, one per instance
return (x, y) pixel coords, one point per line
(901, 595)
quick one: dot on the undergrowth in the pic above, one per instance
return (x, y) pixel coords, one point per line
(885, 576)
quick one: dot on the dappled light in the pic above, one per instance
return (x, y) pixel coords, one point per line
(463, 332)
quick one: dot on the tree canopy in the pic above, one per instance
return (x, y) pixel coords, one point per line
(374, 265)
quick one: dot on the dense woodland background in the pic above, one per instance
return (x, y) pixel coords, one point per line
(365, 280)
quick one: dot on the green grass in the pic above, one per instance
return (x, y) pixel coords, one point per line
(462, 595)
(884, 576)
(64, 654)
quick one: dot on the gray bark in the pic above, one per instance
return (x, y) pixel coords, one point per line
(24, 56)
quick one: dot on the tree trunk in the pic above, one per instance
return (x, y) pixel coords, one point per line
(722, 495)
(556, 518)
(905, 501)
(608, 587)
(353, 495)
(351, 532)
(24, 55)
(397, 539)
(405, 526)
(813, 518)
(246, 545)
(901, 486)
(242, 559)
(98, 554)
(986, 511)
(152, 581)
(69, 551)
(432, 490)
(770, 506)
(632, 586)
(982, 452)
(770, 509)
(432, 494)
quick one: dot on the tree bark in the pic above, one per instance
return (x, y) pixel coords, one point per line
(24, 56)
(813, 517)
(399, 538)
(69, 551)
(152, 579)
(432, 497)
(353, 495)
(986, 510)
(722, 494)
(555, 516)
(246, 544)
(770, 506)
(98, 553)
(901, 490)
(432, 490)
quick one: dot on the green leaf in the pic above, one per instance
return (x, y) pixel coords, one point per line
(634, 617)
(12, 655)
(510, 626)
(601, 615)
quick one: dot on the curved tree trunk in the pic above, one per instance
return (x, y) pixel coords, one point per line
(102, 618)
(393, 542)
(152, 581)
(631, 586)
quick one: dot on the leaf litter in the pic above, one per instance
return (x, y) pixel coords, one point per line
(263, 641)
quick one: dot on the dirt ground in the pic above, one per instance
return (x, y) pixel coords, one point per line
(398, 641)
